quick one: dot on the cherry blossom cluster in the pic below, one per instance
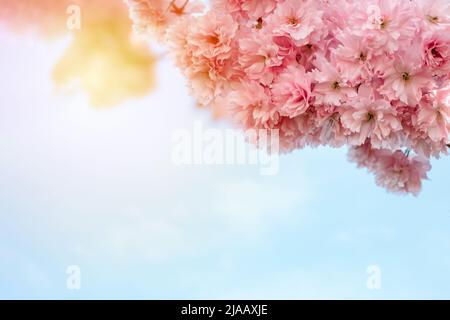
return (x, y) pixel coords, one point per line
(372, 75)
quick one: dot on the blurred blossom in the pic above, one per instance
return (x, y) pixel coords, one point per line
(47, 17)
(103, 60)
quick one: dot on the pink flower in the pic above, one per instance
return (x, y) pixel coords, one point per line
(436, 53)
(400, 174)
(352, 57)
(386, 23)
(330, 87)
(285, 45)
(207, 51)
(202, 87)
(434, 116)
(406, 78)
(298, 19)
(365, 156)
(435, 13)
(292, 91)
(177, 43)
(396, 171)
(258, 54)
(251, 106)
(370, 118)
(212, 35)
(330, 131)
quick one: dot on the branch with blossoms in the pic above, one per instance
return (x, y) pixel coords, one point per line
(373, 75)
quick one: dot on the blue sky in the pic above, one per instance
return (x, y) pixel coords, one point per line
(97, 189)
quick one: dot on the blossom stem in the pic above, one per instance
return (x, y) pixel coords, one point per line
(176, 9)
(407, 152)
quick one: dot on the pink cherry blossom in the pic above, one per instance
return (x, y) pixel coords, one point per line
(212, 35)
(435, 14)
(407, 78)
(258, 55)
(387, 24)
(434, 115)
(401, 174)
(352, 57)
(396, 171)
(250, 105)
(370, 118)
(330, 87)
(292, 92)
(297, 19)
(436, 52)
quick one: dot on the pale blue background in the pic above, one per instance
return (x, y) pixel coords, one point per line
(97, 188)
